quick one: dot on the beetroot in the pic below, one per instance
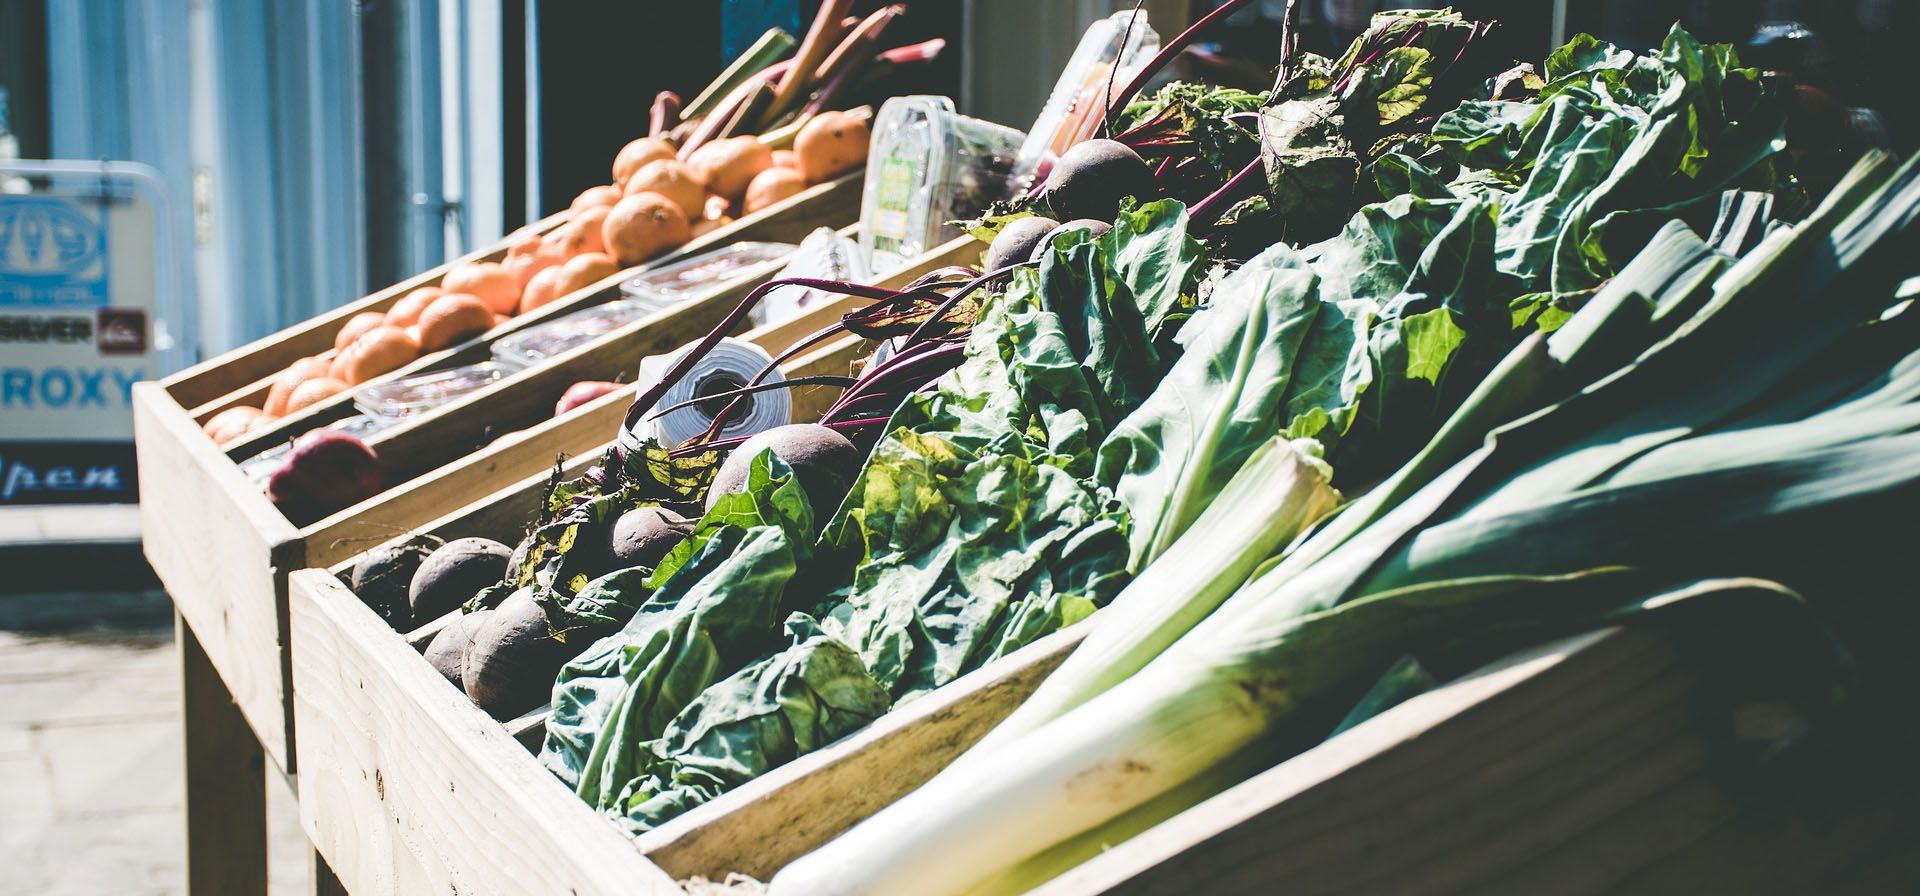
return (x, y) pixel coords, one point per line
(456, 572)
(448, 647)
(582, 392)
(1093, 176)
(510, 665)
(1097, 227)
(327, 471)
(823, 460)
(643, 536)
(518, 558)
(1015, 241)
(382, 577)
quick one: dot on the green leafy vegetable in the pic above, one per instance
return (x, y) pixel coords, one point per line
(1618, 500)
(966, 558)
(796, 701)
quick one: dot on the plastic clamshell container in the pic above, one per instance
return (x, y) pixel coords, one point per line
(674, 282)
(561, 335)
(1078, 101)
(414, 394)
(926, 166)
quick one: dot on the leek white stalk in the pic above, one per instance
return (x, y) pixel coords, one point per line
(1098, 761)
(1193, 712)
(1277, 493)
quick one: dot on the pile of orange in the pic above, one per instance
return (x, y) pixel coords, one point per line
(659, 200)
(656, 203)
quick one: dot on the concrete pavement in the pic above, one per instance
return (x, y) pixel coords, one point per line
(91, 769)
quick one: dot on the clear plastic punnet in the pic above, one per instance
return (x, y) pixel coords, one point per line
(1079, 99)
(423, 392)
(705, 271)
(929, 165)
(563, 334)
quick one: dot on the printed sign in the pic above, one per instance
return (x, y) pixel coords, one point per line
(77, 298)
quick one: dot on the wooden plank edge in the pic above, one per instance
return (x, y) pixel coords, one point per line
(223, 552)
(431, 751)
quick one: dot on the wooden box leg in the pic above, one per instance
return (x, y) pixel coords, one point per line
(320, 877)
(226, 782)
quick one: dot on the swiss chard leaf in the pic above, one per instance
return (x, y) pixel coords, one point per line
(1399, 84)
(792, 703)
(709, 613)
(1224, 397)
(966, 557)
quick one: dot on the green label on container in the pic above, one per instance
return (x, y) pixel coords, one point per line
(893, 206)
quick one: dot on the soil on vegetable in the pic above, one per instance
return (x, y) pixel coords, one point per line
(1107, 781)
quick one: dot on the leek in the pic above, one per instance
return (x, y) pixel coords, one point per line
(1279, 491)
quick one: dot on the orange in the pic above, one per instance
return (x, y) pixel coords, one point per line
(232, 423)
(636, 154)
(727, 166)
(582, 234)
(717, 207)
(582, 271)
(524, 266)
(283, 385)
(543, 288)
(522, 241)
(771, 186)
(452, 318)
(314, 391)
(357, 324)
(673, 179)
(382, 349)
(406, 312)
(592, 196)
(829, 145)
(786, 158)
(642, 226)
(493, 284)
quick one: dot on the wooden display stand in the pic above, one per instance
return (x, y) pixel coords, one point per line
(223, 551)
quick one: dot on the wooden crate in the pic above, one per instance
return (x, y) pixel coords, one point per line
(406, 786)
(1620, 761)
(832, 204)
(745, 830)
(223, 551)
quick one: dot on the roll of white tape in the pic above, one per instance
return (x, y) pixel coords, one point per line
(729, 366)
